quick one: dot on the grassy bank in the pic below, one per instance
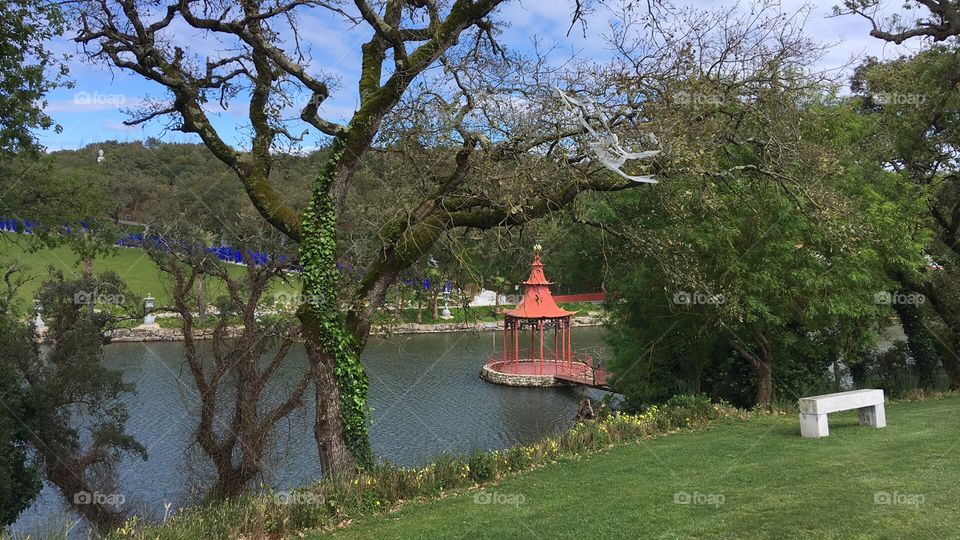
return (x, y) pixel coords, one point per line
(133, 265)
(747, 476)
(720, 473)
(329, 504)
(751, 478)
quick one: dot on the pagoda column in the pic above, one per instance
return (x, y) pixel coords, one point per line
(556, 353)
(506, 354)
(533, 341)
(540, 324)
(563, 349)
(516, 344)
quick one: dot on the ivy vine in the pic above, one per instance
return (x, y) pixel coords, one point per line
(318, 255)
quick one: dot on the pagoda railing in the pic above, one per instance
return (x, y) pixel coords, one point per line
(578, 357)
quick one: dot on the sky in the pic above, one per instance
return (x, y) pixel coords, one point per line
(94, 109)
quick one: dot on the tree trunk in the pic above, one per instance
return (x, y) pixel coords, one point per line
(953, 367)
(949, 358)
(340, 381)
(87, 266)
(335, 457)
(762, 365)
(231, 483)
(919, 340)
(419, 309)
(233, 429)
(764, 372)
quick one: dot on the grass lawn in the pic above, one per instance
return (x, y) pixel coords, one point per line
(143, 277)
(133, 265)
(748, 479)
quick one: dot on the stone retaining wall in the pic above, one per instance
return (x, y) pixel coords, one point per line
(141, 334)
(536, 381)
(489, 374)
(174, 334)
(414, 328)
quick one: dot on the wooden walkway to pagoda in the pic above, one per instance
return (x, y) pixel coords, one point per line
(593, 380)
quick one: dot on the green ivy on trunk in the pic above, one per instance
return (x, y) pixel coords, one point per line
(318, 255)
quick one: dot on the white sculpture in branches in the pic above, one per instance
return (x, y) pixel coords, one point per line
(38, 323)
(605, 143)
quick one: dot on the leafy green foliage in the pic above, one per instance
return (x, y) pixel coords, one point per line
(911, 105)
(921, 344)
(20, 479)
(891, 370)
(26, 63)
(65, 405)
(784, 274)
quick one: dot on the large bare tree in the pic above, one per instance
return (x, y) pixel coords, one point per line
(501, 149)
(938, 20)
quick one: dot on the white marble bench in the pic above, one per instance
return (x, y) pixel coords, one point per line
(814, 410)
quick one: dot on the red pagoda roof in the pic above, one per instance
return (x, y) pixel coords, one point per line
(537, 302)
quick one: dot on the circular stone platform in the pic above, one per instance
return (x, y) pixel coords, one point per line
(528, 373)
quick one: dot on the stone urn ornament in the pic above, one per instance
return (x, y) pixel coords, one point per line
(38, 323)
(149, 320)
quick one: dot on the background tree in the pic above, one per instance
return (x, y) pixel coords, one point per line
(499, 284)
(28, 71)
(238, 407)
(75, 427)
(911, 104)
(66, 205)
(770, 227)
(20, 478)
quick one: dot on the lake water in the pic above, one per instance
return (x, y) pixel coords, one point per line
(425, 392)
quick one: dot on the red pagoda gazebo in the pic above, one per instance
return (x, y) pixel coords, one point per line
(539, 365)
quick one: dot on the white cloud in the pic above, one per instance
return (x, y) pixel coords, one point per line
(93, 101)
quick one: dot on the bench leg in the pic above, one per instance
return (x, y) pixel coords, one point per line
(813, 425)
(873, 416)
